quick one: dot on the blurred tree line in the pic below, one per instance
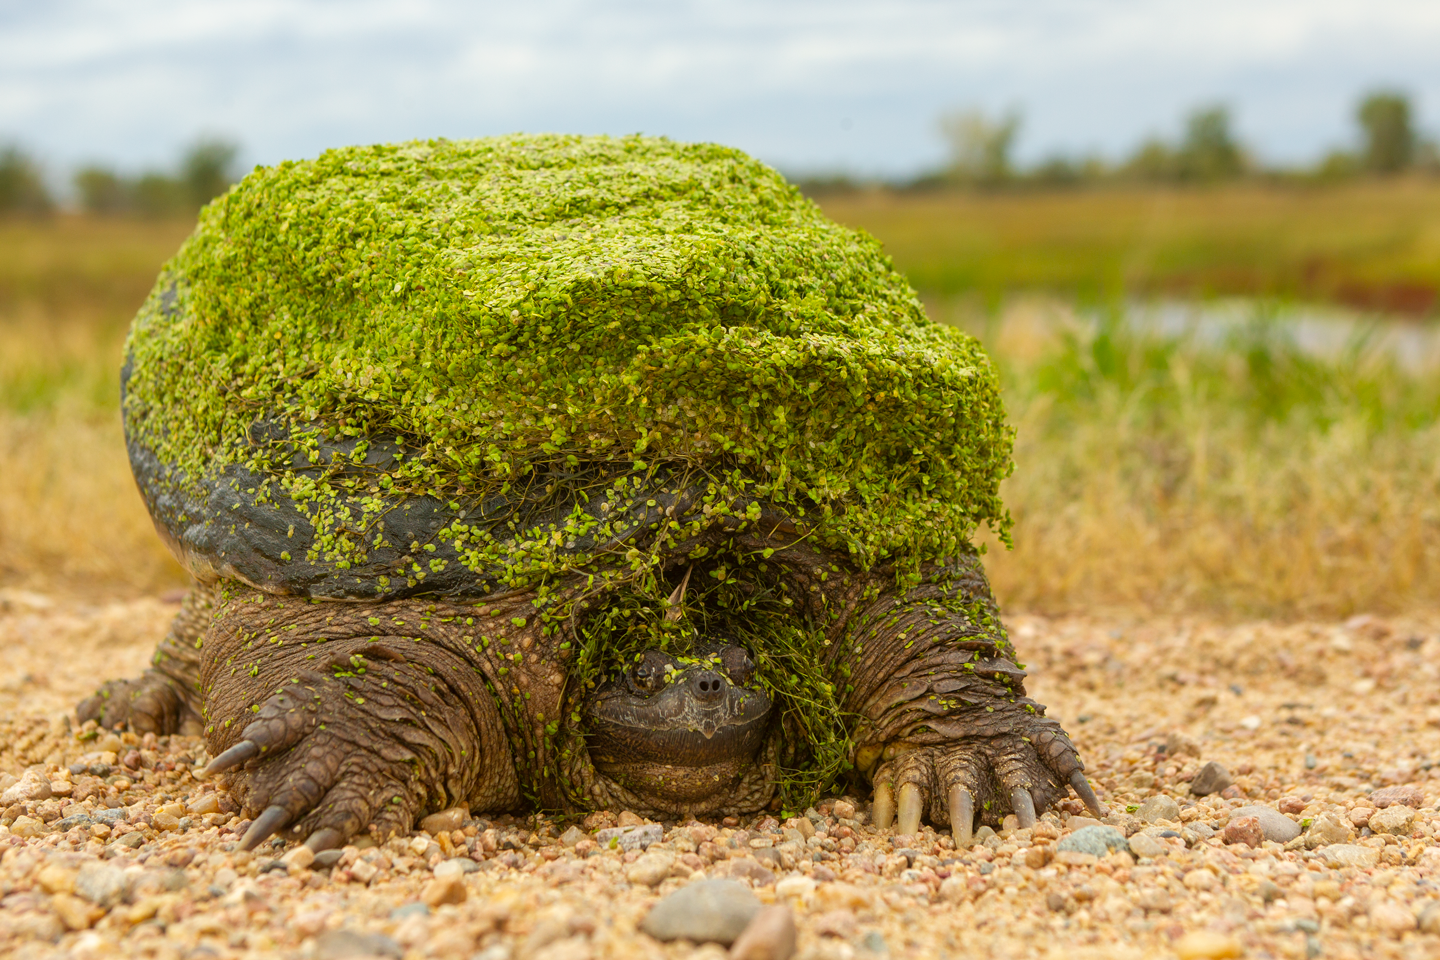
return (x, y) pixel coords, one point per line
(980, 152)
(204, 171)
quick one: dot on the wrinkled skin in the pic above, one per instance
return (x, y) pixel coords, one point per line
(326, 718)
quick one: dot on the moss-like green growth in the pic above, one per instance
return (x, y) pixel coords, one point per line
(514, 311)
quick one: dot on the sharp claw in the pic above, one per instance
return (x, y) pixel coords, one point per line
(326, 838)
(962, 816)
(1082, 789)
(911, 804)
(267, 823)
(1024, 807)
(882, 811)
(230, 759)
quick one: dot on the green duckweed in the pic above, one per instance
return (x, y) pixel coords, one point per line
(505, 314)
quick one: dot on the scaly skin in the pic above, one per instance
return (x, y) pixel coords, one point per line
(328, 717)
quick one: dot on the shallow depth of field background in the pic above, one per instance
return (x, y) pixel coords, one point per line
(1224, 379)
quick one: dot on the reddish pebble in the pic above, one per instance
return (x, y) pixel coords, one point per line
(1244, 830)
(1407, 795)
(1291, 805)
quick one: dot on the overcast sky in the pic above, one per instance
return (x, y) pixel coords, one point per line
(830, 85)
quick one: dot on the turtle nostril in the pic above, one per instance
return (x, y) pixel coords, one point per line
(708, 686)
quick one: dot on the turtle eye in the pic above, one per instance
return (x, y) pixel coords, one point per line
(738, 665)
(648, 676)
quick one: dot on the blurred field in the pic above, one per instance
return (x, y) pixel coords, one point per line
(1237, 475)
(1371, 244)
(69, 512)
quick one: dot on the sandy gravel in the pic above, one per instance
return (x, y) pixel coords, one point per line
(118, 851)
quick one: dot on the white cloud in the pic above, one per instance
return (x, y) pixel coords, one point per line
(134, 81)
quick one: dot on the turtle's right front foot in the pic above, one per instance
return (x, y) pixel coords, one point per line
(375, 738)
(151, 703)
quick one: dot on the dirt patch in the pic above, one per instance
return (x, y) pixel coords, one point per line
(115, 849)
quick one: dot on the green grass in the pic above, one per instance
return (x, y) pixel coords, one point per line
(1367, 244)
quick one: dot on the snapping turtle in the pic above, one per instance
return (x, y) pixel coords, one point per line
(569, 472)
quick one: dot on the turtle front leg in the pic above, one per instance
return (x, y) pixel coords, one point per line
(164, 699)
(946, 731)
(328, 718)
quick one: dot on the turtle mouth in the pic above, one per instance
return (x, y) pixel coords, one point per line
(675, 730)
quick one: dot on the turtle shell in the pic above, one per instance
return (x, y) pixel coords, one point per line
(448, 367)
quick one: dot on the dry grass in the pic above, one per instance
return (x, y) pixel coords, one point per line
(1239, 478)
(1246, 477)
(69, 512)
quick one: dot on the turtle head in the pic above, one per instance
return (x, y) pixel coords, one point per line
(679, 730)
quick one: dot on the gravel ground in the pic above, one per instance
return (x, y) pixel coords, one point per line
(109, 847)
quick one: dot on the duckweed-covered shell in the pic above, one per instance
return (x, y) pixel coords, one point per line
(446, 366)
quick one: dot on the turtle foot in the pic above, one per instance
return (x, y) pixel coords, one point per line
(1023, 770)
(151, 703)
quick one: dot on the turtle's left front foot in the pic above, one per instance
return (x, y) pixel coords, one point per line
(1002, 760)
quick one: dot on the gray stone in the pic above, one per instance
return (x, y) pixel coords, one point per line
(572, 836)
(1144, 845)
(416, 909)
(101, 884)
(1200, 831)
(111, 817)
(631, 838)
(1350, 855)
(1212, 778)
(1158, 807)
(345, 944)
(326, 859)
(705, 911)
(1097, 841)
(1273, 824)
(70, 823)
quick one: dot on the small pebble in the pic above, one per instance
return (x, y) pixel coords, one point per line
(1327, 829)
(704, 911)
(1350, 855)
(349, 944)
(456, 866)
(1407, 795)
(101, 884)
(1158, 807)
(444, 889)
(1211, 778)
(1392, 918)
(1096, 841)
(631, 837)
(1199, 880)
(651, 868)
(1144, 845)
(769, 936)
(1244, 830)
(1397, 820)
(1207, 945)
(445, 821)
(1275, 826)
(300, 858)
(75, 913)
